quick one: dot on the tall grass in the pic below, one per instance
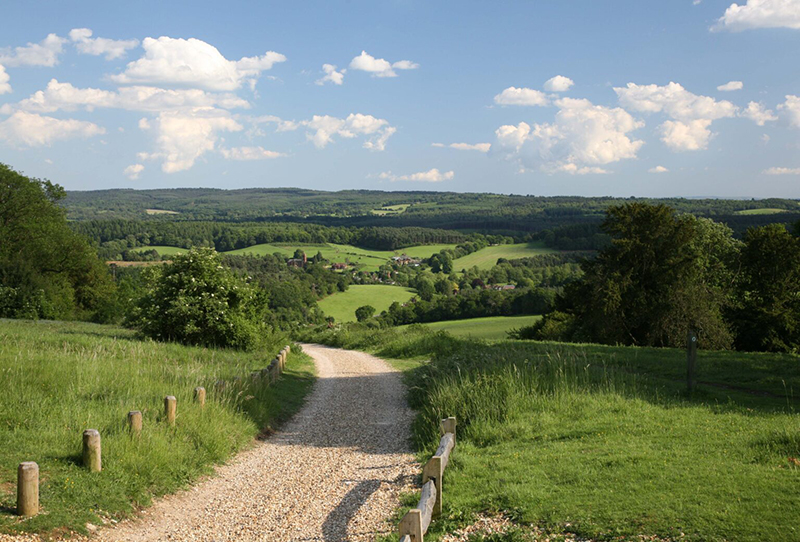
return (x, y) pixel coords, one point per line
(58, 379)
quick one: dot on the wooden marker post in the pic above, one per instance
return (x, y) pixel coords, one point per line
(92, 455)
(170, 409)
(449, 426)
(135, 423)
(691, 360)
(200, 396)
(28, 489)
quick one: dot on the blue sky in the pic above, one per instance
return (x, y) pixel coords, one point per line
(667, 98)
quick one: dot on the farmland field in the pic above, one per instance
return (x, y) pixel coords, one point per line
(391, 209)
(162, 250)
(764, 211)
(490, 328)
(59, 379)
(487, 257)
(342, 306)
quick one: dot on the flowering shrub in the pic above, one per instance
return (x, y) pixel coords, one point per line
(195, 300)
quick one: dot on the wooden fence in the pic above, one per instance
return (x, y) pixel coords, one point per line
(415, 523)
(28, 471)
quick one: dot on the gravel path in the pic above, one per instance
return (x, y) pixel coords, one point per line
(333, 473)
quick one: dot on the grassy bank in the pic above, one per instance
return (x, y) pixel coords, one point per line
(603, 442)
(59, 379)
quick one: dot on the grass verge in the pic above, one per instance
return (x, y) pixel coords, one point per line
(59, 379)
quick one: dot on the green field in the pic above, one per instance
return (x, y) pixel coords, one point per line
(391, 209)
(342, 306)
(59, 379)
(764, 211)
(490, 328)
(162, 250)
(486, 258)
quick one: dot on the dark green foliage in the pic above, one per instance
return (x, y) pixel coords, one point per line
(195, 300)
(768, 317)
(46, 270)
(365, 313)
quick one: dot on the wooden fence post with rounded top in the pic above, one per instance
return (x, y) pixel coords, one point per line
(200, 396)
(28, 489)
(433, 471)
(92, 455)
(135, 422)
(170, 409)
(449, 426)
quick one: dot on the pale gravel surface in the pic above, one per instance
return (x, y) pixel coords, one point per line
(333, 473)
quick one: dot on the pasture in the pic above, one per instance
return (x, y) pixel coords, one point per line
(763, 211)
(342, 306)
(486, 258)
(391, 210)
(490, 328)
(162, 250)
(59, 379)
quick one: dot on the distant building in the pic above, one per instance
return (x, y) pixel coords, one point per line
(404, 260)
(503, 287)
(296, 262)
(339, 266)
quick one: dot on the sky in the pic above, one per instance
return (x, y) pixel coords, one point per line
(657, 98)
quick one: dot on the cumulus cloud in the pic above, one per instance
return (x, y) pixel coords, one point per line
(5, 87)
(184, 136)
(758, 113)
(44, 53)
(193, 63)
(86, 44)
(281, 125)
(760, 14)
(480, 147)
(583, 137)
(559, 83)
(32, 130)
(380, 67)
(132, 172)
(331, 75)
(692, 114)
(791, 108)
(521, 96)
(658, 169)
(323, 128)
(250, 153)
(782, 171)
(65, 96)
(430, 176)
(731, 86)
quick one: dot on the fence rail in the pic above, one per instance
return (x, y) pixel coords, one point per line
(415, 523)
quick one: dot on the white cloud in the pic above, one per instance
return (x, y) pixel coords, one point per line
(44, 53)
(758, 114)
(184, 136)
(573, 169)
(5, 87)
(521, 96)
(33, 130)
(791, 107)
(331, 75)
(193, 63)
(480, 147)
(144, 124)
(86, 44)
(282, 125)
(325, 127)
(138, 98)
(132, 172)
(250, 153)
(686, 136)
(430, 176)
(760, 14)
(380, 67)
(731, 86)
(582, 137)
(782, 171)
(658, 169)
(559, 83)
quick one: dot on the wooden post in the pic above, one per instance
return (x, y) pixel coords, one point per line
(449, 426)
(200, 396)
(411, 525)
(691, 360)
(170, 408)
(135, 422)
(433, 471)
(28, 489)
(92, 456)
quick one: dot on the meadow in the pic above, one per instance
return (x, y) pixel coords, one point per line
(486, 258)
(762, 211)
(59, 379)
(342, 306)
(489, 328)
(162, 250)
(603, 442)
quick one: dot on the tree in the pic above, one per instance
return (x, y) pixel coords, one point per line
(195, 300)
(46, 270)
(768, 317)
(365, 313)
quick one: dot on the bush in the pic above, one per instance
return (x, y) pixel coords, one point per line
(365, 313)
(195, 300)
